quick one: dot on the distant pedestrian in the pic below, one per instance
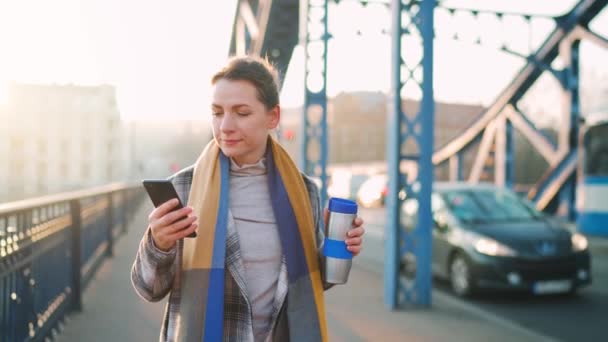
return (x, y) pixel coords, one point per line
(253, 273)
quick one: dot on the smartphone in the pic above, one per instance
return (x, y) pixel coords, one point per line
(160, 191)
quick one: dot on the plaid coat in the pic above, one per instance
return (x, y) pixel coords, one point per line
(156, 273)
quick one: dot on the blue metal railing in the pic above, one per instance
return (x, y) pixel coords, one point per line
(50, 249)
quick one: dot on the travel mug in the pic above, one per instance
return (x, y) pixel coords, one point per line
(338, 260)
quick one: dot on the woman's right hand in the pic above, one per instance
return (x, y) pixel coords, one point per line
(169, 226)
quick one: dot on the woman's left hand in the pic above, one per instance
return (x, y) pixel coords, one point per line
(354, 242)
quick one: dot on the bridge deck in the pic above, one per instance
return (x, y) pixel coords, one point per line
(355, 312)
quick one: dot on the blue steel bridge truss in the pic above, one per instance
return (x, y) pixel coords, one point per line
(273, 29)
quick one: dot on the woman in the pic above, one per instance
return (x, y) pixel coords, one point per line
(253, 273)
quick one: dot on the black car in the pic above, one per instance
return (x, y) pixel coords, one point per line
(487, 237)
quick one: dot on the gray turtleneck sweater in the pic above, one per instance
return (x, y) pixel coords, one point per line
(259, 240)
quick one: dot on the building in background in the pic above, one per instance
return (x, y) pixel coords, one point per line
(56, 138)
(160, 148)
(357, 125)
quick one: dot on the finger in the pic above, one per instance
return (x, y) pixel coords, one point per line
(355, 249)
(173, 216)
(325, 216)
(180, 234)
(181, 224)
(354, 241)
(357, 222)
(160, 226)
(355, 232)
(156, 227)
(163, 209)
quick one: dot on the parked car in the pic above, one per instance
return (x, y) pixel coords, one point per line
(373, 191)
(487, 237)
(356, 181)
(345, 184)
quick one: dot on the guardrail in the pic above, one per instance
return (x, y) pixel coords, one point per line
(50, 249)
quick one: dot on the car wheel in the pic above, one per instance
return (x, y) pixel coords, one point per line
(461, 278)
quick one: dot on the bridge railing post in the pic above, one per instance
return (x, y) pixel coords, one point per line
(110, 226)
(76, 255)
(126, 206)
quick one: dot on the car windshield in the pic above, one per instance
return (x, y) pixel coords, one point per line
(488, 205)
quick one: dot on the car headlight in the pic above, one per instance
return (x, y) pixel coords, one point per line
(492, 247)
(579, 242)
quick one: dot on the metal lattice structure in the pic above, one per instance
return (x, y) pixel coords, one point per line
(410, 138)
(410, 135)
(271, 29)
(314, 143)
(493, 131)
(266, 28)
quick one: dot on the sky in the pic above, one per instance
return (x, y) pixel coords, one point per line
(160, 55)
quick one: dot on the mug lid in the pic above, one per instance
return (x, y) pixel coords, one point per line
(344, 206)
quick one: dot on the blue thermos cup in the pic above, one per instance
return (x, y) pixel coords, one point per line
(338, 260)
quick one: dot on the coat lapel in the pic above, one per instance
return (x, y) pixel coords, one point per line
(234, 260)
(281, 292)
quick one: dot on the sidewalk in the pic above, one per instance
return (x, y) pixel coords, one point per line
(355, 312)
(112, 311)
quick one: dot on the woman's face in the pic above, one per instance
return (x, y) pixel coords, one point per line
(240, 121)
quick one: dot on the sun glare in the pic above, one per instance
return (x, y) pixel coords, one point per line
(3, 93)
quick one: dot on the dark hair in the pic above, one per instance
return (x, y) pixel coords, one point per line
(258, 72)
